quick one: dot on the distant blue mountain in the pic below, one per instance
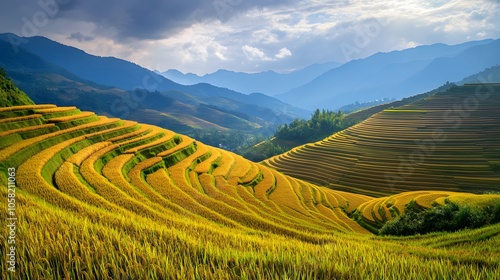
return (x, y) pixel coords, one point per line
(45, 78)
(108, 71)
(395, 74)
(268, 82)
(114, 72)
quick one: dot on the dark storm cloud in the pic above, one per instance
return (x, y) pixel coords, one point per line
(123, 19)
(153, 19)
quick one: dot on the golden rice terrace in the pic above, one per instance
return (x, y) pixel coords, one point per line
(449, 141)
(104, 198)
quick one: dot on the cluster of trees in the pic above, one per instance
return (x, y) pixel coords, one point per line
(322, 124)
(448, 217)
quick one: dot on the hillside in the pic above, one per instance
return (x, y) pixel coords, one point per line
(205, 110)
(314, 130)
(447, 141)
(395, 74)
(489, 75)
(119, 73)
(106, 197)
(10, 95)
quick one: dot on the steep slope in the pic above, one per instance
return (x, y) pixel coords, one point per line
(395, 74)
(448, 141)
(10, 95)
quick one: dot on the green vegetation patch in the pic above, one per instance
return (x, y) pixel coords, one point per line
(58, 159)
(449, 217)
(178, 156)
(50, 168)
(61, 114)
(10, 95)
(17, 113)
(154, 150)
(21, 123)
(72, 123)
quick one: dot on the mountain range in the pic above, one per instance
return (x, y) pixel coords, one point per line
(115, 87)
(268, 82)
(395, 74)
(50, 72)
(390, 75)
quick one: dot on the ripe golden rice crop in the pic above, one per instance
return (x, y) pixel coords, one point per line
(25, 129)
(21, 118)
(72, 117)
(160, 180)
(168, 135)
(268, 183)
(251, 175)
(207, 165)
(185, 142)
(217, 188)
(140, 131)
(285, 196)
(225, 165)
(86, 209)
(9, 151)
(113, 171)
(68, 183)
(55, 110)
(471, 199)
(84, 153)
(427, 200)
(27, 107)
(242, 167)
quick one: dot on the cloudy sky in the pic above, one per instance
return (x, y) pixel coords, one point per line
(201, 36)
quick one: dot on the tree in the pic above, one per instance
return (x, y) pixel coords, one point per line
(3, 73)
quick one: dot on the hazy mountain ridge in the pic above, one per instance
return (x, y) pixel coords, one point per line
(489, 75)
(268, 82)
(395, 74)
(47, 82)
(114, 72)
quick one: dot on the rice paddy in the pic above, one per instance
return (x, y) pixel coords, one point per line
(100, 198)
(447, 142)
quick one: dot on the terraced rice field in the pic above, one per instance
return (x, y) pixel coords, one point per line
(103, 198)
(449, 142)
(379, 210)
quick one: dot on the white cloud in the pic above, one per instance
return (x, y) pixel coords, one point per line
(253, 53)
(284, 52)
